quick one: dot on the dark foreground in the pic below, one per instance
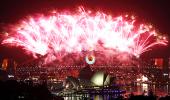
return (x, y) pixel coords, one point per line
(13, 90)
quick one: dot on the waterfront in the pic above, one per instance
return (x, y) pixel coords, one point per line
(140, 89)
(143, 89)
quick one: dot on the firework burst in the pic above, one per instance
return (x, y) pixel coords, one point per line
(58, 34)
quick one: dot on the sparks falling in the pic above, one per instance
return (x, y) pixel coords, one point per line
(61, 33)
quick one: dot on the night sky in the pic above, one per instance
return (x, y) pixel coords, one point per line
(156, 12)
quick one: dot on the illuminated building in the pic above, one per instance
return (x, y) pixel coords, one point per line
(159, 62)
(4, 64)
(9, 65)
(101, 79)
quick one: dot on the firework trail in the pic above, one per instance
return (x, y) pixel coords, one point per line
(59, 34)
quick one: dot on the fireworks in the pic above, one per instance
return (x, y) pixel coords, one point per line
(58, 34)
(90, 59)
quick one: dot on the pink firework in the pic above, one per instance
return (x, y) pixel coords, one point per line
(58, 34)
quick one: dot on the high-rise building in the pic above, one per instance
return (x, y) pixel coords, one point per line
(9, 65)
(159, 63)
